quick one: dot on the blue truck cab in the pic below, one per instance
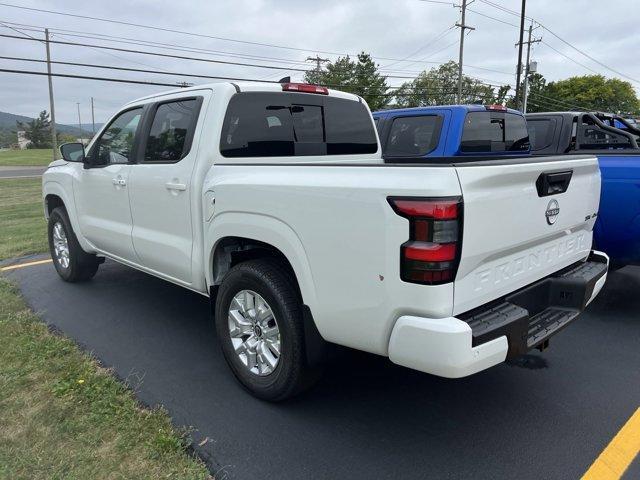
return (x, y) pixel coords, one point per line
(614, 140)
(452, 131)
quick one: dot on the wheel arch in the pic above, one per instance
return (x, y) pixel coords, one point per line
(234, 237)
(54, 195)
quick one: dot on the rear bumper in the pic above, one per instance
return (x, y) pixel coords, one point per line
(459, 346)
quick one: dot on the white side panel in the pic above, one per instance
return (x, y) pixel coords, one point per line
(347, 232)
(507, 241)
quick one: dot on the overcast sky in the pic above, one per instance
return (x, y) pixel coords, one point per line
(391, 29)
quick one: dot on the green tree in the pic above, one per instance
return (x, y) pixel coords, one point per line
(359, 76)
(38, 131)
(594, 92)
(439, 86)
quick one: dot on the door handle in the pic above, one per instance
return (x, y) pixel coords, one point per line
(120, 182)
(176, 186)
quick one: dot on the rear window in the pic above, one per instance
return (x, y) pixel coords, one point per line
(411, 136)
(494, 132)
(541, 133)
(265, 124)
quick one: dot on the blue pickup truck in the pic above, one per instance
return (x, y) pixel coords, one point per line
(617, 231)
(452, 131)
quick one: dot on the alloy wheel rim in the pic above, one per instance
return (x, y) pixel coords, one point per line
(254, 332)
(60, 245)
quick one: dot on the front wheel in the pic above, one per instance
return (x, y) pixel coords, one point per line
(259, 325)
(71, 262)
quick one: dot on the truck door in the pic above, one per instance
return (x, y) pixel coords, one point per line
(102, 190)
(162, 189)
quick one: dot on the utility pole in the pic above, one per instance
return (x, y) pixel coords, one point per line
(319, 61)
(52, 110)
(462, 27)
(520, 42)
(80, 123)
(93, 120)
(527, 67)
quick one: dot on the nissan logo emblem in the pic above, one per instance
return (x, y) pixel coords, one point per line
(553, 209)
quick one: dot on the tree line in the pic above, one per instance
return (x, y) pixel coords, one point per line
(439, 86)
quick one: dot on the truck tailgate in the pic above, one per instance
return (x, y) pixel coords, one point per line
(519, 226)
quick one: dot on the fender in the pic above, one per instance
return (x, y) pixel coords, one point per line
(265, 229)
(52, 187)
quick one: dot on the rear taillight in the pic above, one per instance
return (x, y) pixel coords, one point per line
(432, 253)
(304, 88)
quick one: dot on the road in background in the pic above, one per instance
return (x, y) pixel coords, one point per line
(545, 415)
(21, 172)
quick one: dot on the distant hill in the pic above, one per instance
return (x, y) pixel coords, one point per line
(8, 122)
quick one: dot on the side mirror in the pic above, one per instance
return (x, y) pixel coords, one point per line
(72, 152)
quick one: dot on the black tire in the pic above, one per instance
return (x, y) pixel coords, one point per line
(273, 282)
(82, 266)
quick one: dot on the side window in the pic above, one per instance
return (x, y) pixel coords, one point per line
(171, 132)
(411, 136)
(115, 145)
(541, 133)
(485, 132)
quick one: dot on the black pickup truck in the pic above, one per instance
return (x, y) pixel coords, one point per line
(614, 140)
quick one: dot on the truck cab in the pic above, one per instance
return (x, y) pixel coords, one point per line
(452, 131)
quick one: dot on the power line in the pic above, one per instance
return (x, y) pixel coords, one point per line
(87, 77)
(435, 39)
(492, 18)
(158, 54)
(162, 29)
(580, 51)
(139, 82)
(569, 58)
(133, 41)
(588, 56)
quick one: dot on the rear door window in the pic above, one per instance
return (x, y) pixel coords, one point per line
(265, 124)
(413, 136)
(490, 131)
(172, 131)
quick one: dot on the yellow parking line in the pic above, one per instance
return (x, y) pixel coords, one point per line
(26, 264)
(616, 458)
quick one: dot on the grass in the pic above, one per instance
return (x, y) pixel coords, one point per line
(22, 224)
(35, 157)
(63, 416)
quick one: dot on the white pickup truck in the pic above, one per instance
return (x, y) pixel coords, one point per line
(276, 203)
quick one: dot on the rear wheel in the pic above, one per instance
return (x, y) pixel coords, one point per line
(71, 262)
(259, 324)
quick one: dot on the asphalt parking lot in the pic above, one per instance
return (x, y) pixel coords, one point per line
(547, 415)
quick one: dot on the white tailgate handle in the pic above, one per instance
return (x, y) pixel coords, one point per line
(176, 186)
